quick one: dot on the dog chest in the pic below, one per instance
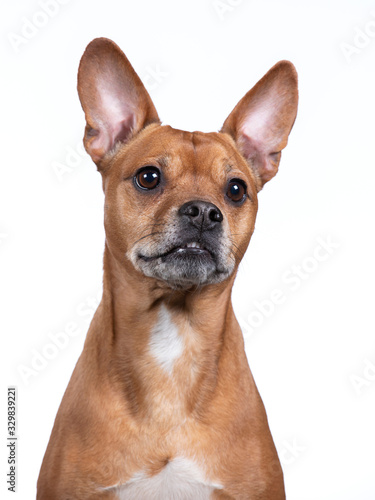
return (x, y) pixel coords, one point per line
(180, 479)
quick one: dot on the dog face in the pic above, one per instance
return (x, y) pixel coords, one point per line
(180, 207)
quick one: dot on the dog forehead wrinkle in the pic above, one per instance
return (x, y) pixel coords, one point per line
(185, 151)
(211, 151)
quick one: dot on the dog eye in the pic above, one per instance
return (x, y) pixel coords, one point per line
(236, 190)
(147, 178)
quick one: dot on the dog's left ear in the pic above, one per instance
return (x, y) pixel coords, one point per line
(261, 122)
(115, 101)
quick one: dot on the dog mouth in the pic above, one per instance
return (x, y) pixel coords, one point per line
(191, 249)
(186, 262)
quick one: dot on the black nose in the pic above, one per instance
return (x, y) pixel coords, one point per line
(202, 214)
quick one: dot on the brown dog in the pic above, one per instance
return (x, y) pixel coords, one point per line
(162, 403)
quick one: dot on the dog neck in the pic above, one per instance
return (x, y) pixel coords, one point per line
(164, 347)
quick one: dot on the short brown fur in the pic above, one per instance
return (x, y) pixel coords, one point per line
(121, 413)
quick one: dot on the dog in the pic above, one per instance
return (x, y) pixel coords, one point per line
(162, 403)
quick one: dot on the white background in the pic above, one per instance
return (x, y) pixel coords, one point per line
(313, 356)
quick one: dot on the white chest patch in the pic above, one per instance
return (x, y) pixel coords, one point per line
(181, 479)
(166, 345)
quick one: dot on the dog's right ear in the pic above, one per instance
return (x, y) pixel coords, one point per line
(262, 120)
(115, 101)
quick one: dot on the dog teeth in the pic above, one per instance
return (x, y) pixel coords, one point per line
(193, 245)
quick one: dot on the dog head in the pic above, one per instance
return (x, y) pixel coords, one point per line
(180, 207)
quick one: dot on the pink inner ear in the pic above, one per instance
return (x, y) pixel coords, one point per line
(262, 136)
(260, 129)
(115, 102)
(114, 118)
(262, 120)
(106, 138)
(259, 158)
